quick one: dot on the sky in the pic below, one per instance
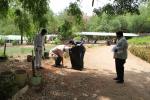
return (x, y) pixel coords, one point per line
(58, 6)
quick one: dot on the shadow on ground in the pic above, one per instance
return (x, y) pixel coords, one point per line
(68, 84)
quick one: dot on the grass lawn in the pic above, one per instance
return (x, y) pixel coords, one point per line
(22, 50)
(140, 40)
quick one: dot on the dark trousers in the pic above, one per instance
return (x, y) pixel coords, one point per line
(120, 68)
(58, 60)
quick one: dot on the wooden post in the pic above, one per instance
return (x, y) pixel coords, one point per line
(33, 69)
(92, 3)
(5, 48)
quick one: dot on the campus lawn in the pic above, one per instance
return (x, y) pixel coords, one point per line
(140, 40)
(21, 50)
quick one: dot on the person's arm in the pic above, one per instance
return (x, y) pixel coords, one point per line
(43, 42)
(121, 45)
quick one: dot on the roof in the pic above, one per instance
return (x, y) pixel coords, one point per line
(106, 34)
(12, 37)
(51, 35)
(1, 37)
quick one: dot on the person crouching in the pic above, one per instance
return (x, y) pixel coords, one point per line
(58, 52)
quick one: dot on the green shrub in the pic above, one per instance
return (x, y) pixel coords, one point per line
(57, 41)
(2, 41)
(77, 38)
(8, 86)
(15, 42)
(140, 40)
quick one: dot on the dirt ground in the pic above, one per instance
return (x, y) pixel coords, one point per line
(95, 82)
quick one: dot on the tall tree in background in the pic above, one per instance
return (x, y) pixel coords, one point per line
(4, 7)
(23, 22)
(75, 11)
(120, 7)
(38, 9)
(73, 21)
(22, 8)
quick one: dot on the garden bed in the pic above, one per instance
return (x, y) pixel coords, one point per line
(141, 51)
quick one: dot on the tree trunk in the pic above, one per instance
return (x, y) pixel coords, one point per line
(21, 38)
(5, 49)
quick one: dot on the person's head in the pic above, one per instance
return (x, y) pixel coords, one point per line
(71, 42)
(43, 32)
(119, 34)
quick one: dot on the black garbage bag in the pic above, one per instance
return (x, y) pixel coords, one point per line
(77, 56)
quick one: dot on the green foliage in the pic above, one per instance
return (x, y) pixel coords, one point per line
(104, 23)
(65, 31)
(8, 86)
(140, 41)
(75, 11)
(15, 42)
(38, 9)
(77, 38)
(4, 7)
(93, 23)
(57, 41)
(2, 41)
(7, 25)
(23, 22)
(131, 23)
(119, 7)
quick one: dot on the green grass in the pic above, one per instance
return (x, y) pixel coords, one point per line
(21, 50)
(140, 40)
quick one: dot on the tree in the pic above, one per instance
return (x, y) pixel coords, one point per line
(23, 22)
(4, 7)
(75, 11)
(65, 30)
(35, 8)
(120, 7)
(38, 9)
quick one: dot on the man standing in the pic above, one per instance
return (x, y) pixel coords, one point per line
(120, 56)
(38, 47)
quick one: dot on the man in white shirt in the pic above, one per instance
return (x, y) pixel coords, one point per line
(120, 56)
(38, 47)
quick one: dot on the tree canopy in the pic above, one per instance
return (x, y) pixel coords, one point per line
(120, 7)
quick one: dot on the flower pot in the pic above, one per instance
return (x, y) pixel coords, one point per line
(7, 76)
(36, 80)
(29, 58)
(21, 77)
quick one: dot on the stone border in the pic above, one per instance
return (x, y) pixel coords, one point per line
(20, 93)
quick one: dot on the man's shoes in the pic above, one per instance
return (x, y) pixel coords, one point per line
(120, 81)
(56, 65)
(115, 78)
(40, 68)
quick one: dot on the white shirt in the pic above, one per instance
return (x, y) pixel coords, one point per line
(39, 41)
